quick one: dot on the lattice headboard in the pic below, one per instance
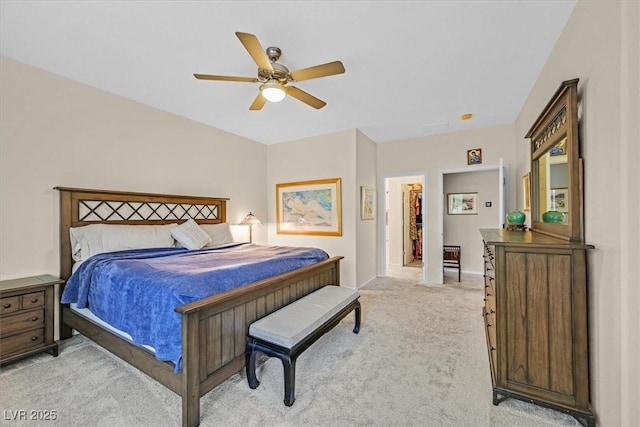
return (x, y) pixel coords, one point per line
(80, 207)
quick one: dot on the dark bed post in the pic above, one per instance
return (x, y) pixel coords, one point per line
(65, 256)
(190, 370)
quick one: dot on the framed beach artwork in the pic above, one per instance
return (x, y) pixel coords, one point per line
(367, 202)
(462, 203)
(309, 207)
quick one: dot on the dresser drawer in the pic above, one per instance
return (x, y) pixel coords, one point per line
(9, 304)
(21, 342)
(21, 321)
(32, 300)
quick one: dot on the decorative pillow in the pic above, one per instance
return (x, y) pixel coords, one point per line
(98, 238)
(190, 235)
(220, 234)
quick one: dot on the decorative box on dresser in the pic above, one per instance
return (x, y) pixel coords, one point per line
(27, 317)
(536, 320)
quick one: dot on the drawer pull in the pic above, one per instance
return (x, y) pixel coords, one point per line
(34, 318)
(6, 306)
(34, 338)
(34, 300)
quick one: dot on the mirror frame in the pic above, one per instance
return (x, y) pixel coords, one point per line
(557, 120)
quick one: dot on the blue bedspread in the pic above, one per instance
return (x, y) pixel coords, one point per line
(137, 291)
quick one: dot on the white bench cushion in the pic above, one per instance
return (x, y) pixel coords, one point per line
(289, 325)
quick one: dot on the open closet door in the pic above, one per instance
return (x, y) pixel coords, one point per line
(407, 242)
(412, 223)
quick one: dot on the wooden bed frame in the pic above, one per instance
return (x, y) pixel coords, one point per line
(214, 329)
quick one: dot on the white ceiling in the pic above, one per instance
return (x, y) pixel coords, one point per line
(412, 67)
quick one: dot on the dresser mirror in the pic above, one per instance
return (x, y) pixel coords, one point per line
(556, 185)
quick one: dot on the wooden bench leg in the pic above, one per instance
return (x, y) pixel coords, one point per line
(289, 365)
(250, 366)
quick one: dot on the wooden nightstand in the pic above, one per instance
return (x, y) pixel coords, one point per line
(26, 317)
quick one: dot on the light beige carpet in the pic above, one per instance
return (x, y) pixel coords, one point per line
(419, 360)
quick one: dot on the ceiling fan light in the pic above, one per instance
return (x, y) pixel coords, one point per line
(273, 91)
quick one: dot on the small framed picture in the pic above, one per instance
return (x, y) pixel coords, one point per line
(559, 199)
(462, 203)
(560, 149)
(474, 157)
(367, 203)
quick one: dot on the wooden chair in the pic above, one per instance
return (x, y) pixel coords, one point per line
(451, 258)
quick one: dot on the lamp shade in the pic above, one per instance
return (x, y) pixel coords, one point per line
(273, 91)
(250, 219)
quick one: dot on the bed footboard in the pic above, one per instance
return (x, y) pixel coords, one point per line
(214, 330)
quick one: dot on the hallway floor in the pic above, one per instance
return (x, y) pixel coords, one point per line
(414, 274)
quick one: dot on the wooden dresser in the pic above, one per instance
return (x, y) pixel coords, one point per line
(27, 317)
(535, 315)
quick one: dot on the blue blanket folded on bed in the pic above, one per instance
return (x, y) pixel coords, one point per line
(137, 291)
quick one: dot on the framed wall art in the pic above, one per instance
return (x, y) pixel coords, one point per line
(462, 203)
(367, 203)
(309, 207)
(474, 157)
(526, 191)
(559, 199)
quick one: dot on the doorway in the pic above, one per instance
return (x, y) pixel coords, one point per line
(489, 185)
(404, 234)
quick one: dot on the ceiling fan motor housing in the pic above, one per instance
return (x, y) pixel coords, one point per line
(279, 72)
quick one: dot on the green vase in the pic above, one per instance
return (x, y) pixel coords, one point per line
(554, 217)
(516, 217)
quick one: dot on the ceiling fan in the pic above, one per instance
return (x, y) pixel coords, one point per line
(275, 76)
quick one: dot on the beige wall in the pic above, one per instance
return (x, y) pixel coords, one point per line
(57, 132)
(366, 240)
(601, 46)
(430, 156)
(321, 157)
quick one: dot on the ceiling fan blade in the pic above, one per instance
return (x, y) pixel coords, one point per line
(253, 46)
(303, 96)
(324, 70)
(225, 78)
(258, 103)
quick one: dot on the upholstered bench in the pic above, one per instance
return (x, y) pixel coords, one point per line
(289, 331)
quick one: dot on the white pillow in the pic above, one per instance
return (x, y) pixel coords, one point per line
(98, 238)
(190, 235)
(220, 234)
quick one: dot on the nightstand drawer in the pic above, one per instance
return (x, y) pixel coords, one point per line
(21, 321)
(9, 304)
(33, 300)
(21, 342)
